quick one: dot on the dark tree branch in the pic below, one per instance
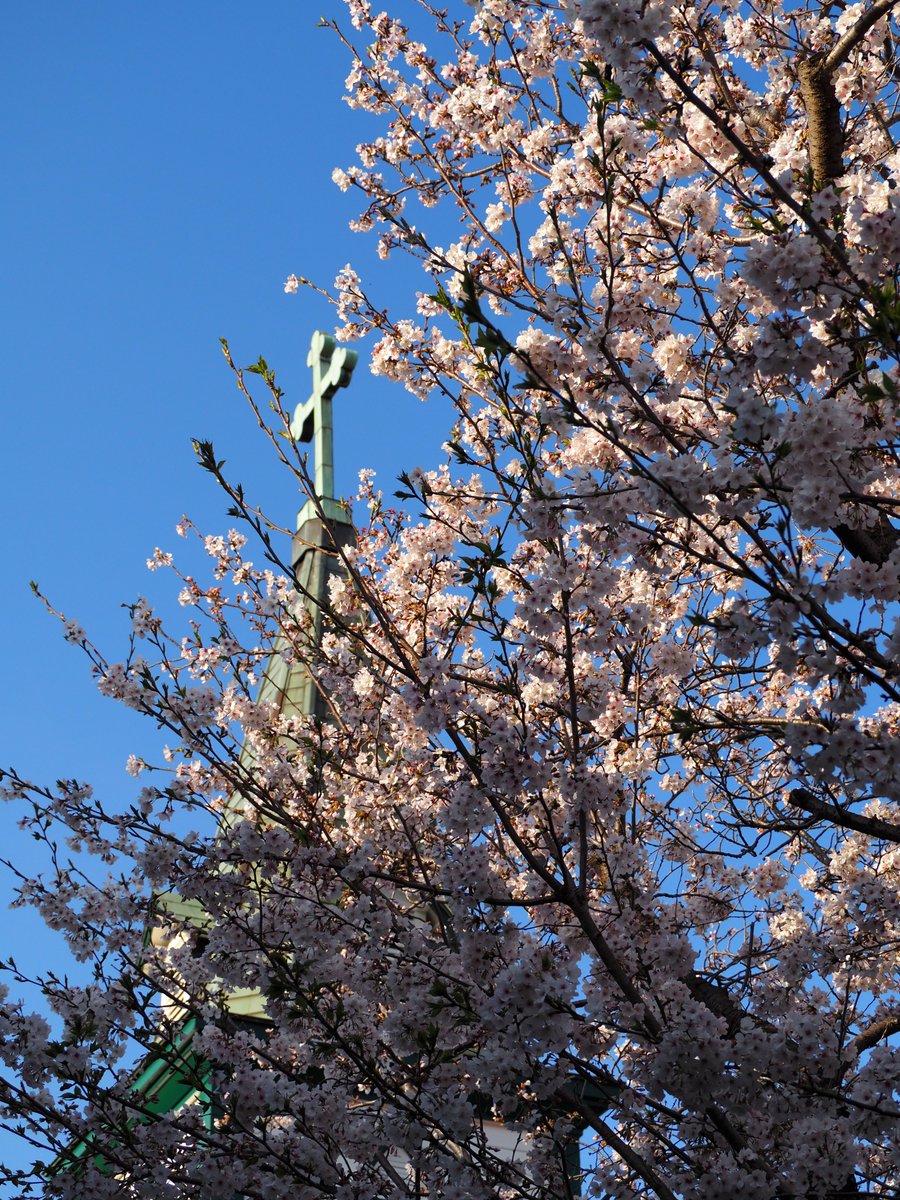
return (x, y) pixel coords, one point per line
(841, 50)
(815, 74)
(876, 1033)
(825, 134)
(872, 545)
(872, 826)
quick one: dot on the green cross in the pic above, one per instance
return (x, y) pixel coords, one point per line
(332, 367)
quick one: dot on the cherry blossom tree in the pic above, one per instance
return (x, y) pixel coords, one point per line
(593, 833)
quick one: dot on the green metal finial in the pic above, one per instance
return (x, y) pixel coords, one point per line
(332, 366)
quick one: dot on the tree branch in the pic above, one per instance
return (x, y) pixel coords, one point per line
(873, 545)
(621, 1147)
(876, 1033)
(815, 75)
(840, 51)
(872, 826)
(825, 134)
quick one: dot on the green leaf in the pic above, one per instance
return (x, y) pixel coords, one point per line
(440, 297)
(487, 340)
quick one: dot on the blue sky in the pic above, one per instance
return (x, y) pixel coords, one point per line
(166, 167)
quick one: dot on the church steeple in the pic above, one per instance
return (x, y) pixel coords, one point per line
(332, 367)
(323, 524)
(289, 683)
